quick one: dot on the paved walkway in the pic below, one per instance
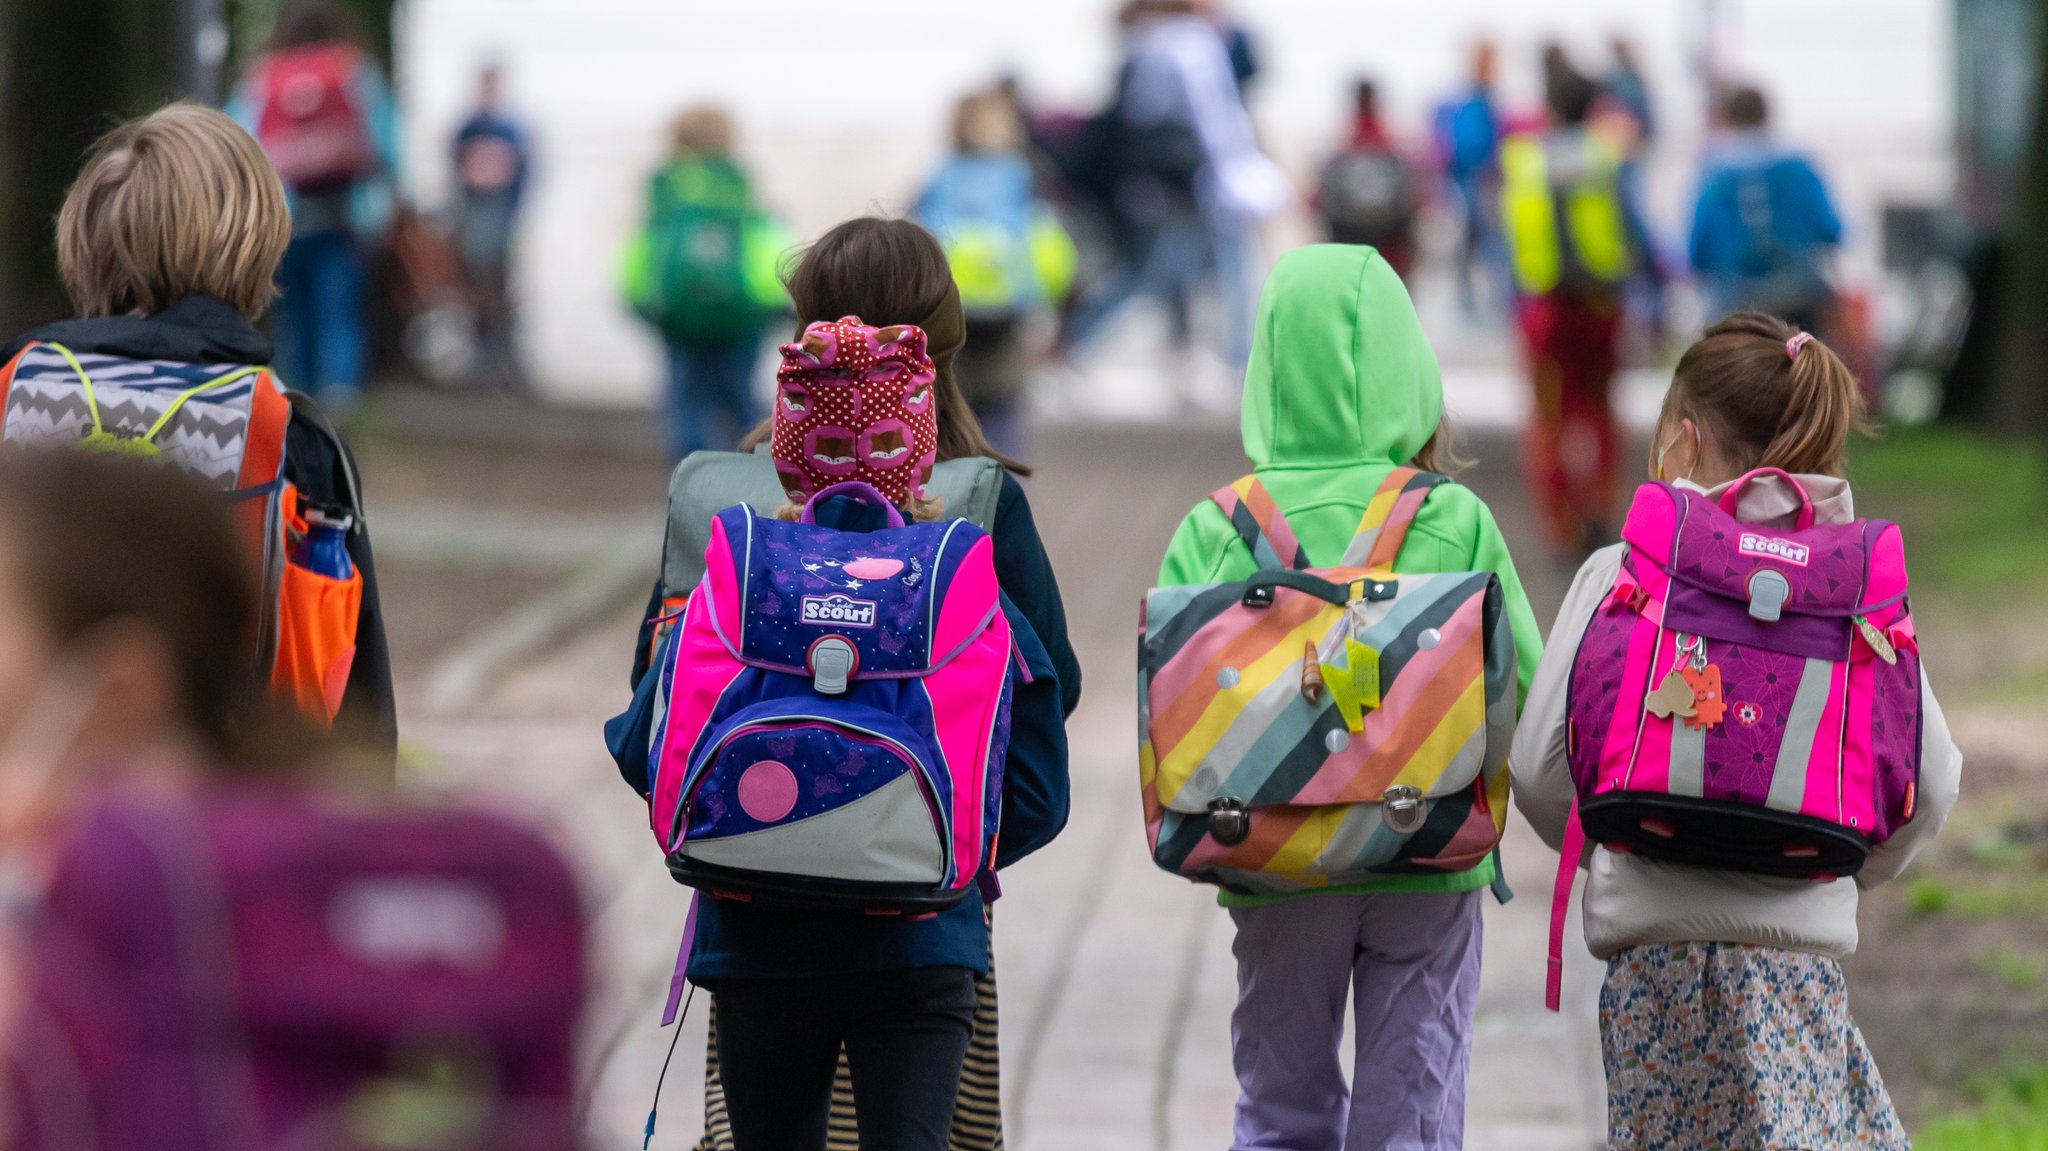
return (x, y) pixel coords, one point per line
(1117, 979)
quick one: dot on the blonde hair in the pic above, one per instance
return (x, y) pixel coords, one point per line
(181, 201)
(702, 130)
(985, 123)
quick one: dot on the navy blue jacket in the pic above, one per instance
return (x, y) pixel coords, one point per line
(756, 941)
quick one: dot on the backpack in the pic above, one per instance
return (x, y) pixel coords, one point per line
(1110, 149)
(226, 425)
(272, 969)
(1745, 698)
(1313, 727)
(1366, 197)
(1567, 230)
(1778, 277)
(697, 291)
(832, 713)
(308, 120)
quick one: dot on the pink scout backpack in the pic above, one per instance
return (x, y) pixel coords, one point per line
(836, 713)
(1745, 698)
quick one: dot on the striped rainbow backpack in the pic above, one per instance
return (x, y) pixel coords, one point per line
(1313, 727)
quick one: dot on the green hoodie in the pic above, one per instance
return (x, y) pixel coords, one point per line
(1343, 387)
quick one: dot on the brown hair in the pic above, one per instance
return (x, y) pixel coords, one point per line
(1744, 106)
(100, 538)
(985, 123)
(181, 201)
(701, 130)
(304, 23)
(892, 272)
(1768, 402)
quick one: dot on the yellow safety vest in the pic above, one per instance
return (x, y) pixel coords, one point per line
(1591, 217)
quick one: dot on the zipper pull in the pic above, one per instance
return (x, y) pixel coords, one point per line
(1876, 639)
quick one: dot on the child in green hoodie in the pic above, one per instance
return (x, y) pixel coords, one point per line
(1342, 389)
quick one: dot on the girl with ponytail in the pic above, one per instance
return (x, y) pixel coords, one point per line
(1724, 1018)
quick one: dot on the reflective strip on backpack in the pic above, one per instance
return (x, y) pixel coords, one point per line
(1802, 726)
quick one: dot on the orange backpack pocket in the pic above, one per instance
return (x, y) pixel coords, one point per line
(316, 626)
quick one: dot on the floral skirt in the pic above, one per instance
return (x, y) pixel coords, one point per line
(1727, 1047)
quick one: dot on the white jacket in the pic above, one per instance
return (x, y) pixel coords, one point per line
(1630, 900)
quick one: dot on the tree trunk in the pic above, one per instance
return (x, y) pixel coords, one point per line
(69, 70)
(2019, 400)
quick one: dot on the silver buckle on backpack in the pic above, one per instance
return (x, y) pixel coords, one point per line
(833, 661)
(1402, 809)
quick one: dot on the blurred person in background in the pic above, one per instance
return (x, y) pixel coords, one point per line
(1468, 130)
(220, 945)
(1175, 158)
(702, 273)
(491, 163)
(1571, 252)
(1368, 193)
(323, 111)
(1630, 116)
(1764, 225)
(1011, 259)
(168, 244)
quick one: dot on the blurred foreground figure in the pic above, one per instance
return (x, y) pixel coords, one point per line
(323, 111)
(1368, 193)
(216, 949)
(1571, 250)
(702, 273)
(1010, 257)
(1764, 225)
(491, 163)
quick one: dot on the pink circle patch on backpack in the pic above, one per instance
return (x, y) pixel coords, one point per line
(767, 791)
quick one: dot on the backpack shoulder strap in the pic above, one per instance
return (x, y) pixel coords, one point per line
(1388, 517)
(1251, 510)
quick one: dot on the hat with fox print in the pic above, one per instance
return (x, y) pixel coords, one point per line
(856, 403)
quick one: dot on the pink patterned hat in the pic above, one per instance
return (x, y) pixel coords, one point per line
(856, 403)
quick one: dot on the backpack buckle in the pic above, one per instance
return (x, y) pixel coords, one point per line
(833, 661)
(1229, 823)
(1259, 595)
(1768, 592)
(1402, 809)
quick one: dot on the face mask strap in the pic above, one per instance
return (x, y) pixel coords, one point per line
(1666, 450)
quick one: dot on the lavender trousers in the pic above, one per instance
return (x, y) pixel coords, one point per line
(1409, 963)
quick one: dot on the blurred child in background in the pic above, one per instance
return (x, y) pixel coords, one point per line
(1009, 255)
(702, 272)
(1368, 193)
(323, 111)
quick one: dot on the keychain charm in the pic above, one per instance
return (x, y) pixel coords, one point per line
(1877, 640)
(1708, 706)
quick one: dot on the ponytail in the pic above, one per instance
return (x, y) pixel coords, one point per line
(1822, 406)
(1771, 395)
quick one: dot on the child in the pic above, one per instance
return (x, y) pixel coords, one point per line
(702, 273)
(169, 243)
(188, 865)
(1010, 257)
(323, 111)
(1571, 253)
(1768, 1054)
(1343, 389)
(892, 272)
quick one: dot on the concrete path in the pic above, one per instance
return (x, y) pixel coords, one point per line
(1117, 980)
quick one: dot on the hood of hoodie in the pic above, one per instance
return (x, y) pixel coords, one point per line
(1340, 373)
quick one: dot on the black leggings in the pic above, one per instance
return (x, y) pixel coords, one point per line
(905, 1034)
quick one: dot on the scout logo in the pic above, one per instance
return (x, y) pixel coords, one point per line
(839, 611)
(1773, 548)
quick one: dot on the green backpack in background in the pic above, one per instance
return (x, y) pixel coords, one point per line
(703, 268)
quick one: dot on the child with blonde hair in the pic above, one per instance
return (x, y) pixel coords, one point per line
(169, 243)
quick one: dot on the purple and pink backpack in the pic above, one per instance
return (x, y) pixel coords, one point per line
(273, 968)
(833, 713)
(1745, 697)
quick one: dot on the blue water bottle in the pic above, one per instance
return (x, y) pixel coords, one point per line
(325, 548)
